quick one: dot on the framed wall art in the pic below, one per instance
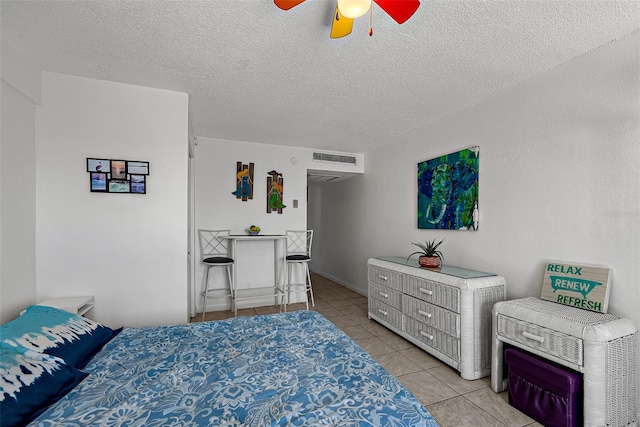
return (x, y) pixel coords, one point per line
(275, 192)
(448, 191)
(244, 181)
(138, 184)
(138, 168)
(118, 169)
(98, 165)
(98, 182)
(117, 176)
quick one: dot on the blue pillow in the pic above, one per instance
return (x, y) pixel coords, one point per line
(73, 338)
(30, 382)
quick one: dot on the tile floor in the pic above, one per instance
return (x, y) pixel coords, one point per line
(452, 401)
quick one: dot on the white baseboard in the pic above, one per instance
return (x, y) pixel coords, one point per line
(362, 292)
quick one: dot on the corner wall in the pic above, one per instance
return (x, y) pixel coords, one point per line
(559, 180)
(128, 250)
(19, 94)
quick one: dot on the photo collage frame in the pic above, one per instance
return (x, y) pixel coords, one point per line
(117, 176)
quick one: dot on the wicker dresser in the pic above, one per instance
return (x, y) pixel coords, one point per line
(603, 347)
(445, 312)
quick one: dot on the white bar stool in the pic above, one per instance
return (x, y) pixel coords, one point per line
(214, 253)
(299, 253)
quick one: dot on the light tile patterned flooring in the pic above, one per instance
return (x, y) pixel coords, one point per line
(452, 401)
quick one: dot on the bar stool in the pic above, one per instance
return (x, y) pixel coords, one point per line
(213, 253)
(299, 254)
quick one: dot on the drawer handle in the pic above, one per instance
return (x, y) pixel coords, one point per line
(426, 335)
(425, 314)
(381, 311)
(383, 277)
(425, 291)
(533, 337)
(383, 295)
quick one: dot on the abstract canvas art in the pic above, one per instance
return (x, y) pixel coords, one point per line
(448, 191)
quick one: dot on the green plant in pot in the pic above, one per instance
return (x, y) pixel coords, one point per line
(430, 256)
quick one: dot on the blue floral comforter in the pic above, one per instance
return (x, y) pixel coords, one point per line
(291, 369)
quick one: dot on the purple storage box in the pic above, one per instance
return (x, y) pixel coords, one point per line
(545, 392)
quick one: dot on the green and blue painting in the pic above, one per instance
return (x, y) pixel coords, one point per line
(448, 191)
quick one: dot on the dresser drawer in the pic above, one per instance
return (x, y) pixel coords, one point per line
(436, 293)
(432, 315)
(386, 313)
(536, 337)
(434, 338)
(385, 277)
(386, 295)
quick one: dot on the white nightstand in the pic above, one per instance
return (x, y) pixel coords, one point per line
(76, 305)
(602, 347)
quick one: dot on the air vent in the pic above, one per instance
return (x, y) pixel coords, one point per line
(334, 158)
(322, 177)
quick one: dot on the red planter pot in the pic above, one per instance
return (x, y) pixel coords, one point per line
(429, 261)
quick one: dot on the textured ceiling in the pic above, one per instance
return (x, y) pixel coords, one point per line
(256, 73)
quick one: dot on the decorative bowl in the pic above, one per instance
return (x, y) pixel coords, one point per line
(253, 233)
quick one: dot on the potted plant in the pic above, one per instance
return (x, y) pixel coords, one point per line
(430, 256)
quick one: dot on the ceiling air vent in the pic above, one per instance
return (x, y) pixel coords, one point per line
(322, 177)
(334, 158)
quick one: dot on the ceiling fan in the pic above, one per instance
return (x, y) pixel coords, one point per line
(348, 10)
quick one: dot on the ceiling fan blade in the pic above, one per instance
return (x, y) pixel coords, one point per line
(341, 26)
(399, 10)
(287, 4)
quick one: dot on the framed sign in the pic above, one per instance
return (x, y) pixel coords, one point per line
(581, 286)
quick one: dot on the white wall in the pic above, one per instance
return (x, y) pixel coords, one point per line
(217, 208)
(19, 93)
(128, 250)
(559, 180)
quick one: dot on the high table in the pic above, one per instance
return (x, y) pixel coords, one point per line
(277, 289)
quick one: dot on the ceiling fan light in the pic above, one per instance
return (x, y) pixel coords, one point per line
(353, 8)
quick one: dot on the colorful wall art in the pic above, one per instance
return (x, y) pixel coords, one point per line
(244, 181)
(448, 191)
(275, 190)
(118, 176)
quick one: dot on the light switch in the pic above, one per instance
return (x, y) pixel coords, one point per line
(295, 203)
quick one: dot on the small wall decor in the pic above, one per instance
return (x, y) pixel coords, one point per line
(275, 190)
(117, 176)
(448, 191)
(582, 286)
(244, 182)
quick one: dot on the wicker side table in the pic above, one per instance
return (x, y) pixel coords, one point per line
(603, 347)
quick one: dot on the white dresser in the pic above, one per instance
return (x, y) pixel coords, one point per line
(445, 312)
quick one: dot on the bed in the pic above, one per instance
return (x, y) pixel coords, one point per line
(288, 369)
